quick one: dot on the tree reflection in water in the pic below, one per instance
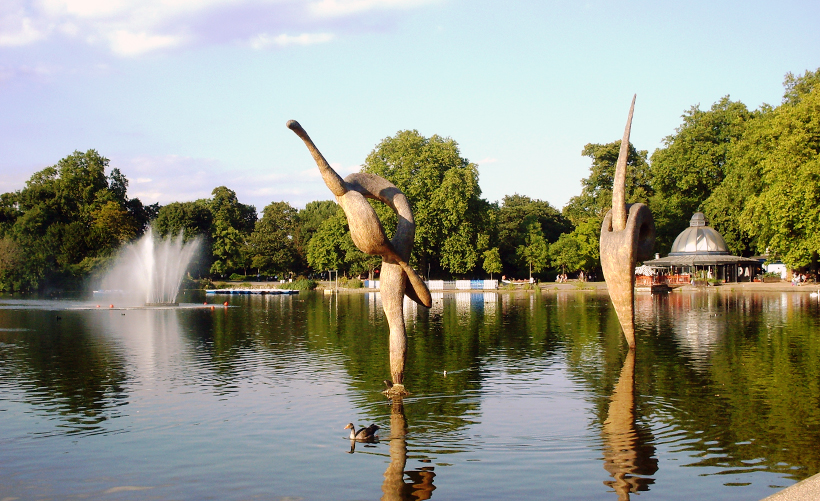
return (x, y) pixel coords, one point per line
(629, 456)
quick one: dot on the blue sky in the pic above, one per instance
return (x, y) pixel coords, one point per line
(186, 95)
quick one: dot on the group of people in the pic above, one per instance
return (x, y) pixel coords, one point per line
(799, 278)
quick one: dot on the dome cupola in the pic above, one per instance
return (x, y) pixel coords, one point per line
(699, 239)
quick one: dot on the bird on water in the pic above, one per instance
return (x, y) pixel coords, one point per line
(364, 433)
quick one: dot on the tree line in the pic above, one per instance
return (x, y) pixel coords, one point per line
(754, 173)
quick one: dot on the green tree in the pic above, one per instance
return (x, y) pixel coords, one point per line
(233, 223)
(67, 221)
(588, 236)
(443, 191)
(516, 214)
(324, 249)
(692, 164)
(226, 249)
(596, 192)
(534, 252)
(272, 243)
(784, 214)
(566, 253)
(492, 261)
(193, 220)
(308, 221)
(190, 218)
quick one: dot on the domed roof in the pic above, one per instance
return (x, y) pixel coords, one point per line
(699, 239)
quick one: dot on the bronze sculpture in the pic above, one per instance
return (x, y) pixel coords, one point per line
(627, 236)
(368, 235)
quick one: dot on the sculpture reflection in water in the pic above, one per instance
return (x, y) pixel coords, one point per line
(627, 236)
(368, 234)
(629, 456)
(419, 483)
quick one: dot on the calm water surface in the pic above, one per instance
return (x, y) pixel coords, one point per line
(540, 401)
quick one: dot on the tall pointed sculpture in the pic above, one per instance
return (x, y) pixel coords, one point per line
(627, 236)
(368, 235)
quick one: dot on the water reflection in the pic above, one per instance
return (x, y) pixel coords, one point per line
(71, 375)
(723, 393)
(629, 455)
(419, 483)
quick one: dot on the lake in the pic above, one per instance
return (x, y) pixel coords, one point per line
(540, 400)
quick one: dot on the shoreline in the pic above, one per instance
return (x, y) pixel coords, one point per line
(601, 287)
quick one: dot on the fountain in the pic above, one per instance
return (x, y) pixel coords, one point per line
(151, 269)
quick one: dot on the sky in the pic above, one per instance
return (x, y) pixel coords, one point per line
(186, 95)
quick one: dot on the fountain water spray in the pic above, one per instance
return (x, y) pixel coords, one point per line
(151, 268)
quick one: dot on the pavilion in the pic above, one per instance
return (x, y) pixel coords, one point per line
(701, 247)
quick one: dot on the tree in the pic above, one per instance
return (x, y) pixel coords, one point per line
(534, 252)
(784, 213)
(324, 250)
(588, 237)
(692, 165)
(492, 261)
(308, 221)
(513, 218)
(596, 192)
(443, 191)
(190, 218)
(566, 253)
(233, 223)
(10, 258)
(113, 225)
(272, 246)
(67, 221)
(225, 206)
(227, 245)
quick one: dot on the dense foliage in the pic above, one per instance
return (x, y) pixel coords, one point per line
(755, 174)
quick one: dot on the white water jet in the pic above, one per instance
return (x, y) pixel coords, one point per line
(151, 268)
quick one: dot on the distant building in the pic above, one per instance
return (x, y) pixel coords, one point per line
(701, 247)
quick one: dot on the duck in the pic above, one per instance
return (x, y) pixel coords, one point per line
(368, 433)
(815, 294)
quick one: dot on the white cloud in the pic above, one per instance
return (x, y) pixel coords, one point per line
(347, 7)
(264, 40)
(133, 27)
(125, 43)
(22, 34)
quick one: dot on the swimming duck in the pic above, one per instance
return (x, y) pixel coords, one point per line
(368, 433)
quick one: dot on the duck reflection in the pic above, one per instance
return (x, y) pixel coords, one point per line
(629, 456)
(419, 483)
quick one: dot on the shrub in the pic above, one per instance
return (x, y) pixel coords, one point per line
(350, 283)
(237, 277)
(300, 284)
(582, 286)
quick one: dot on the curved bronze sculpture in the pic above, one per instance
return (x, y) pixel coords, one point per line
(627, 236)
(368, 235)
